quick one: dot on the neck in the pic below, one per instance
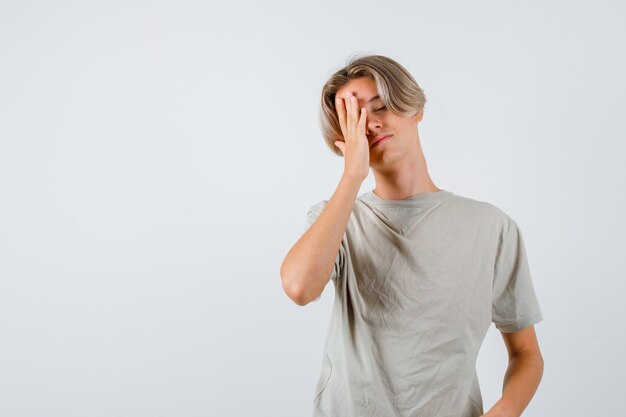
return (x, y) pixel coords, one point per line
(404, 178)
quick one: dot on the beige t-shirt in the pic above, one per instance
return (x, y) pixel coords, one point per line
(417, 284)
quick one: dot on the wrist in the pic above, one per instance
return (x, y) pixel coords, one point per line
(352, 178)
(500, 409)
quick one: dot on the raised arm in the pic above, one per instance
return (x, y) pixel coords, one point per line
(310, 261)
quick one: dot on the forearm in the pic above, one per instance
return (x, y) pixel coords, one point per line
(521, 380)
(308, 264)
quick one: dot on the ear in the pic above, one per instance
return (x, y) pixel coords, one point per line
(418, 117)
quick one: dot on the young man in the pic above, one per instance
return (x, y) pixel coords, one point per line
(419, 272)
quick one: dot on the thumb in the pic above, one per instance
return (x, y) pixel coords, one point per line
(341, 146)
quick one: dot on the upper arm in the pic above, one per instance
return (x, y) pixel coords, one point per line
(522, 341)
(514, 302)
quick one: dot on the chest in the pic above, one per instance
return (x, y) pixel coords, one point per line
(440, 272)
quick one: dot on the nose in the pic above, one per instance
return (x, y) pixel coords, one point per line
(371, 124)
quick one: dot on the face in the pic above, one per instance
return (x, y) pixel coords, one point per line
(381, 121)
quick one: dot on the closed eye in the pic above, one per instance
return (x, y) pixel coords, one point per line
(380, 108)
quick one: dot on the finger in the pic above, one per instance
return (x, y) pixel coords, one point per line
(341, 114)
(352, 108)
(362, 119)
(352, 118)
(363, 124)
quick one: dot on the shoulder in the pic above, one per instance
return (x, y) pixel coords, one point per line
(477, 205)
(317, 207)
(484, 210)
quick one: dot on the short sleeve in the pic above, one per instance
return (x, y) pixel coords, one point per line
(312, 215)
(514, 302)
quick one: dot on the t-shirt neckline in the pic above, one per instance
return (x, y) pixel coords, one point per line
(416, 200)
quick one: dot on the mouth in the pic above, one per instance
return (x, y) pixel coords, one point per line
(376, 142)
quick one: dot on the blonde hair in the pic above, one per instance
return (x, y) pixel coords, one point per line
(396, 87)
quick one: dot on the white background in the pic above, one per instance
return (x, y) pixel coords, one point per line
(157, 160)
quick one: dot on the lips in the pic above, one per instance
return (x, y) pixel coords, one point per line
(380, 140)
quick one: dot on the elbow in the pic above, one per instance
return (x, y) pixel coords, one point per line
(295, 290)
(297, 283)
(291, 287)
